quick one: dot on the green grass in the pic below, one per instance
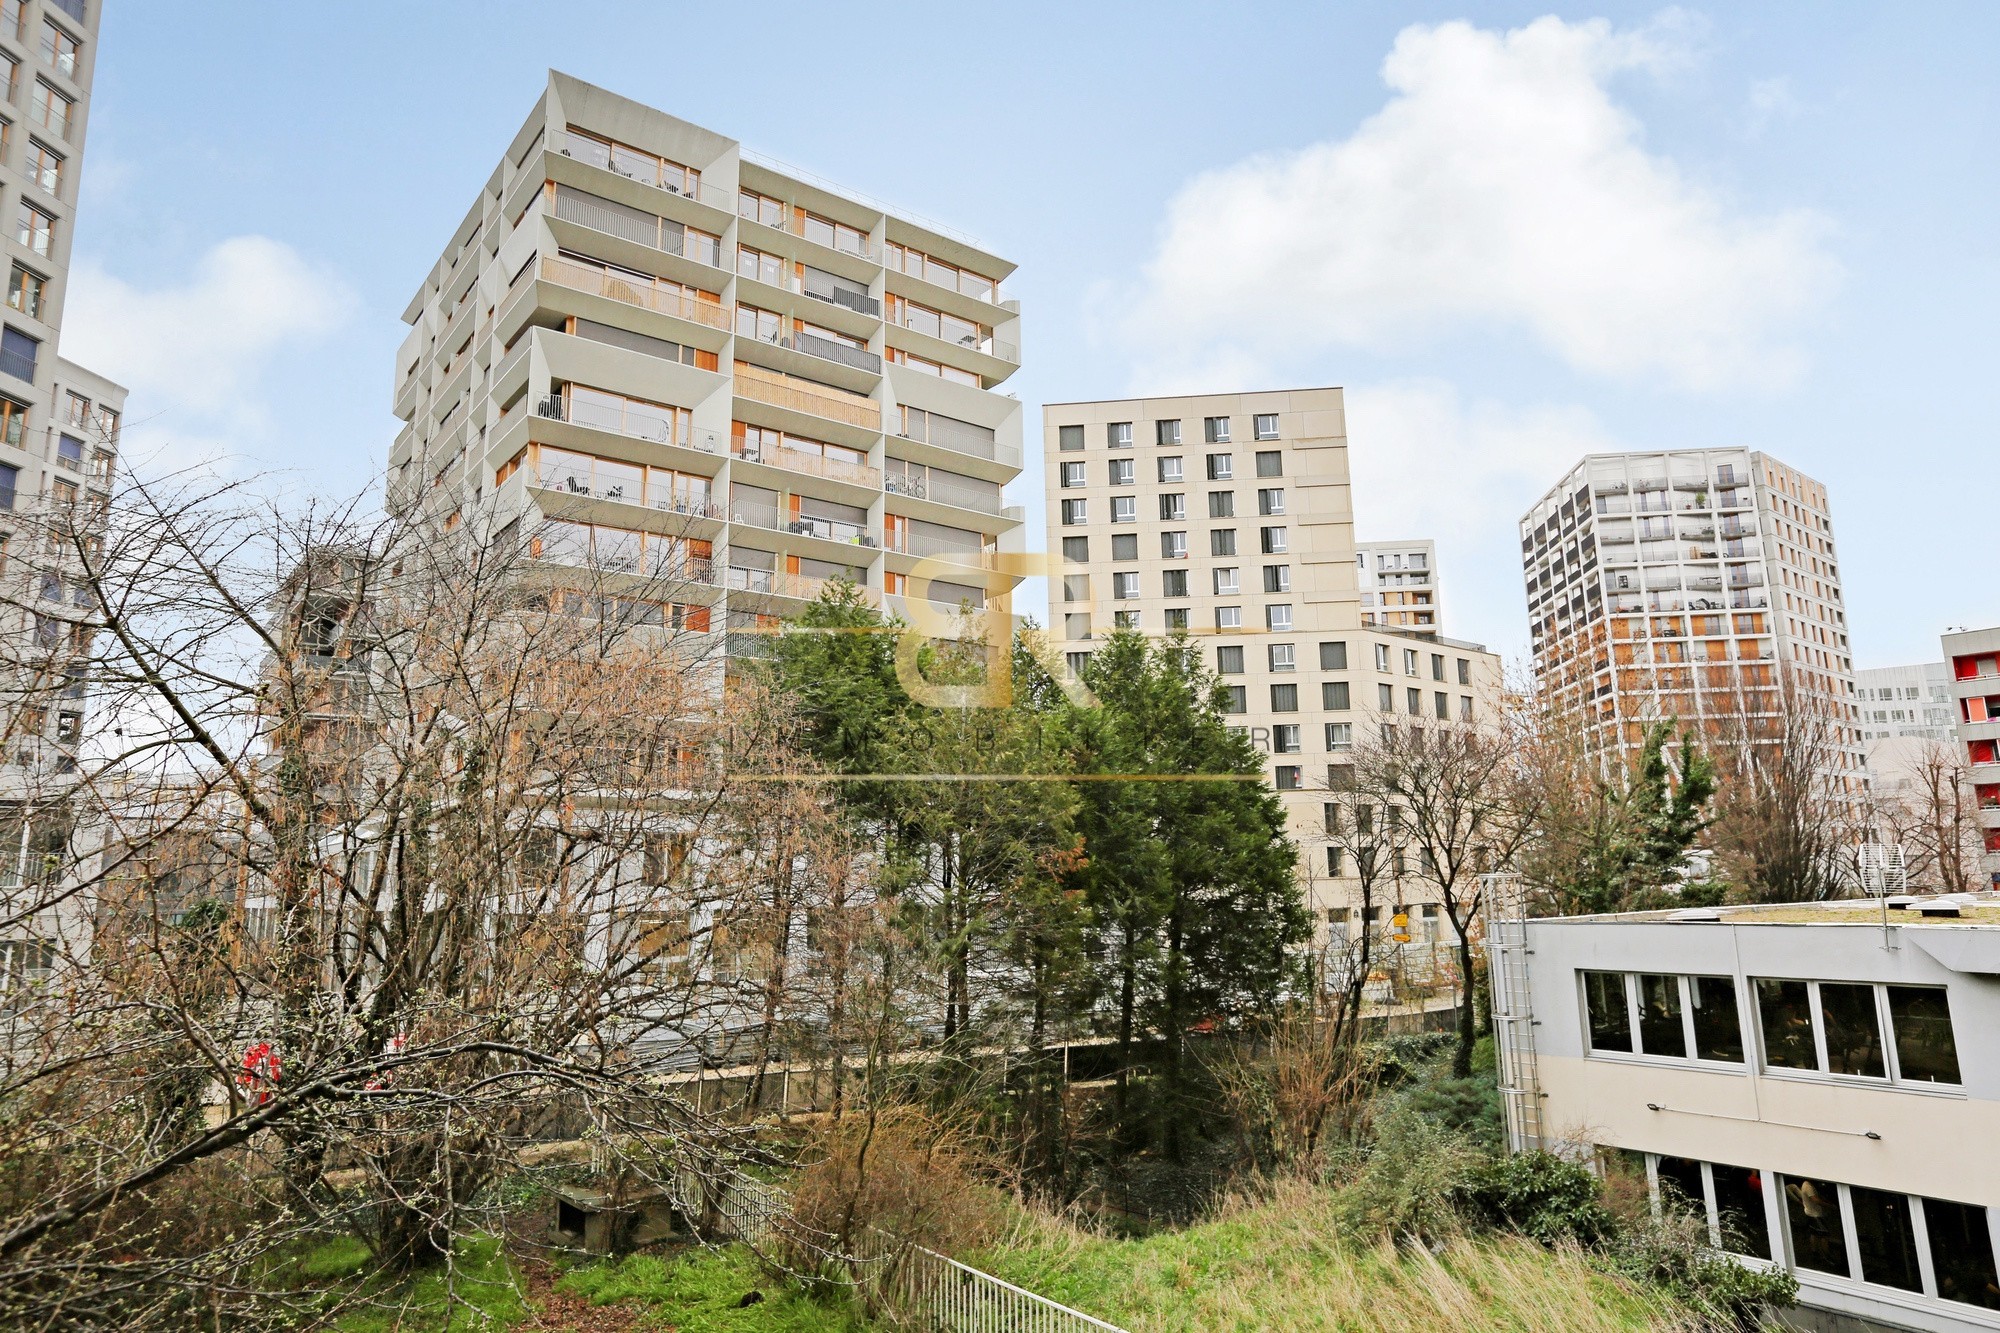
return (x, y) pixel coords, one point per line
(700, 1292)
(1283, 1264)
(480, 1294)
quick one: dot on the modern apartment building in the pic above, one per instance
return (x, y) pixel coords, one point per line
(1399, 585)
(1912, 702)
(666, 356)
(1691, 583)
(1974, 659)
(59, 423)
(1229, 516)
(1813, 1081)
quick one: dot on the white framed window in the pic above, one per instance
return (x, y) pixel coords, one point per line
(1173, 546)
(1339, 737)
(1221, 467)
(1166, 432)
(1124, 509)
(1278, 618)
(1215, 430)
(1273, 541)
(1122, 471)
(1072, 476)
(1228, 581)
(1283, 657)
(1382, 657)
(1229, 617)
(1173, 507)
(1125, 586)
(1075, 512)
(1271, 501)
(1265, 425)
(1285, 738)
(1118, 435)
(1277, 578)
(1170, 468)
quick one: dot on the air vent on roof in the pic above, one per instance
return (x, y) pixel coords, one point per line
(1937, 909)
(1695, 914)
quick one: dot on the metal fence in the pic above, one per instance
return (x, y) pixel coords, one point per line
(932, 1291)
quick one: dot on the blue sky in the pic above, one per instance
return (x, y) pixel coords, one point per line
(1512, 237)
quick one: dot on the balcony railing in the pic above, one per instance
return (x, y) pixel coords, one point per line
(826, 349)
(646, 168)
(831, 530)
(665, 299)
(776, 390)
(73, 8)
(943, 490)
(814, 465)
(21, 365)
(624, 417)
(778, 584)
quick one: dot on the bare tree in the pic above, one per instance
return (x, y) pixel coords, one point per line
(401, 845)
(1930, 814)
(1789, 810)
(1458, 793)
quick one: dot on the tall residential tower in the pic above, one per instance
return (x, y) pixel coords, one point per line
(660, 352)
(1691, 583)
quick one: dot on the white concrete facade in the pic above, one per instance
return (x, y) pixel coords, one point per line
(1681, 584)
(665, 354)
(1398, 582)
(1827, 1087)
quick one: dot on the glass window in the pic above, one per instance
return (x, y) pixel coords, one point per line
(1270, 463)
(1962, 1253)
(1125, 546)
(1272, 540)
(1069, 438)
(1333, 696)
(1853, 1029)
(1070, 476)
(1222, 541)
(1173, 508)
(1120, 472)
(1717, 1033)
(1236, 698)
(1283, 656)
(1784, 1010)
(1075, 511)
(1270, 502)
(1920, 1017)
(1166, 432)
(1604, 1004)
(1660, 1030)
(1385, 698)
(1229, 661)
(1739, 1210)
(1887, 1238)
(1076, 549)
(1173, 546)
(1812, 1212)
(1285, 698)
(1333, 657)
(25, 288)
(1221, 467)
(1118, 435)
(1124, 509)
(1222, 504)
(1215, 430)
(1681, 1184)
(1339, 736)
(1174, 583)
(1266, 425)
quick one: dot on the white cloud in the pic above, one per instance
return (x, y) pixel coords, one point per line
(1503, 188)
(1771, 100)
(196, 350)
(1427, 463)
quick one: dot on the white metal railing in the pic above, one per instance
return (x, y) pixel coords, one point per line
(948, 1296)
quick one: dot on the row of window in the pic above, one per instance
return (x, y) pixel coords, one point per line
(1891, 1033)
(1174, 545)
(1173, 507)
(1214, 430)
(1340, 735)
(1125, 471)
(1930, 1247)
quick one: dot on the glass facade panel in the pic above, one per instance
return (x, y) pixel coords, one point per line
(1718, 1034)
(1921, 1020)
(1610, 1020)
(1887, 1238)
(1680, 1185)
(1812, 1211)
(1784, 1010)
(1853, 1032)
(1739, 1207)
(1660, 1030)
(1962, 1253)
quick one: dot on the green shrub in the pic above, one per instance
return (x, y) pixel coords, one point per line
(1543, 1196)
(1469, 1105)
(1409, 1181)
(1670, 1251)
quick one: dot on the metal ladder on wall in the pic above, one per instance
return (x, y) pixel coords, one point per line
(1507, 958)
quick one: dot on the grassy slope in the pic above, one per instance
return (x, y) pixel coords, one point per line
(1281, 1264)
(699, 1292)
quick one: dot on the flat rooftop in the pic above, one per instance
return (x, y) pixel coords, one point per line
(1973, 909)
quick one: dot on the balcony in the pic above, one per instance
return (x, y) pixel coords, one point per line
(625, 417)
(814, 465)
(831, 530)
(646, 168)
(943, 490)
(663, 298)
(778, 584)
(21, 365)
(73, 8)
(763, 386)
(826, 349)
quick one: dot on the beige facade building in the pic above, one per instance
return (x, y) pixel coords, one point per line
(1231, 517)
(665, 356)
(1688, 583)
(59, 423)
(1812, 1082)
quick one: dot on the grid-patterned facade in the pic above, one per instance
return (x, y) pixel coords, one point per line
(59, 423)
(1690, 584)
(661, 355)
(1230, 517)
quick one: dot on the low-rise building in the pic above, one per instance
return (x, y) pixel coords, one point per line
(1820, 1081)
